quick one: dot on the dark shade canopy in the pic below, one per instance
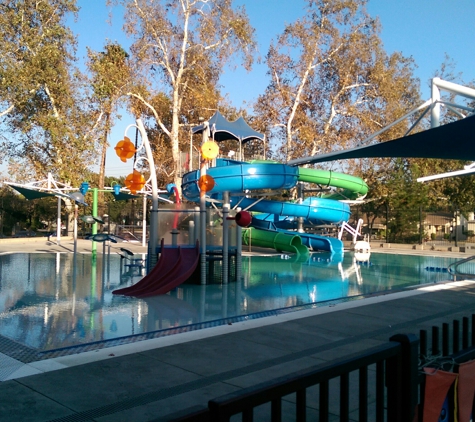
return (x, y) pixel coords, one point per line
(224, 130)
(31, 193)
(121, 196)
(453, 141)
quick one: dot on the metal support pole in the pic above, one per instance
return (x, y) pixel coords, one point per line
(94, 214)
(238, 251)
(203, 238)
(387, 223)
(58, 223)
(75, 228)
(191, 232)
(144, 221)
(203, 216)
(109, 218)
(224, 301)
(153, 240)
(196, 219)
(300, 228)
(435, 111)
(456, 227)
(174, 233)
(225, 243)
(190, 161)
(421, 226)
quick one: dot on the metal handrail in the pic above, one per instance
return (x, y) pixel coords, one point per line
(452, 268)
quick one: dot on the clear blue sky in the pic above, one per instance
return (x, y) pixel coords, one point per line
(423, 29)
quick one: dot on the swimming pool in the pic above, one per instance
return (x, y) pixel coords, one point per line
(58, 300)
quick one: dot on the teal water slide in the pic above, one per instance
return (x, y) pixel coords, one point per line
(238, 177)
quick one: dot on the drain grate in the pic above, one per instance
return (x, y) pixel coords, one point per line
(18, 351)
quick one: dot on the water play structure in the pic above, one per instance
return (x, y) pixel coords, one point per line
(236, 186)
(227, 190)
(226, 187)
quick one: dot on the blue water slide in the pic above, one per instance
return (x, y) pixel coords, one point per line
(278, 215)
(237, 177)
(315, 210)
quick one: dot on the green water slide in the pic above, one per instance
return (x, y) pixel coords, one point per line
(352, 186)
(281, 242)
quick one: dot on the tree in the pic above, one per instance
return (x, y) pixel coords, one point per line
(179, 52)
(110, 76)
(332, 84)
(40, 90)
(405, 201)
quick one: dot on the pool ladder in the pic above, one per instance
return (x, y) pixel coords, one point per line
(454, 271)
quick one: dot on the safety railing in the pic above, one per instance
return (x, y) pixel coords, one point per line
(387, 393)
(453, 269)
(386, 383)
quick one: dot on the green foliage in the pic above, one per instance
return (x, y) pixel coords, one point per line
(16, 211)
(40, 90)
(110, 72)
(332, 84)
(469, 233)
(111, 75)
(179, 51)
(407, 197)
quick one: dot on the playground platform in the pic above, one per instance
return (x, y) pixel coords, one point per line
(155, 380)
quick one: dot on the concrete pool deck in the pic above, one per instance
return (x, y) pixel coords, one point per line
(153, 379)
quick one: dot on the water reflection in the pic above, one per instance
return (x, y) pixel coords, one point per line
(49, 301)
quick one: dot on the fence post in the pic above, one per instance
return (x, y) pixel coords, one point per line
(421, 227)
(387, 222)
(402, 380)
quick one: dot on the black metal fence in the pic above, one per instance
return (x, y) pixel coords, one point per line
(385, 383)
(441, 227)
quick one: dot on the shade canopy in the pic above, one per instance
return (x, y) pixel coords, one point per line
(121, 196)
(31, 193)
(223, 130)
(453, 141)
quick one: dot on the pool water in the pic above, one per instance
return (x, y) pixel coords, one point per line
(52, 301)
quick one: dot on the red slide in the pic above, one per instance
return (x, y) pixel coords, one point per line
(174, 267)
(167, 261)
(187, 263)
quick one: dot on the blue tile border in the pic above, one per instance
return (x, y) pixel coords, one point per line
(26, 354)
(102, 344)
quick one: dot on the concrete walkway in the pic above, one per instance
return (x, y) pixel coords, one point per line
(152, 380)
